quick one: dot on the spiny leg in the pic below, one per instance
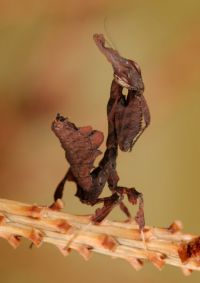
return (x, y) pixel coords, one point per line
(58, 194)
(133, 197)
(145, 118)
(112, 184)
(124, 208)
(109, 204)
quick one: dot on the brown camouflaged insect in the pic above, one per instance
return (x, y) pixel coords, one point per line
(127, 119)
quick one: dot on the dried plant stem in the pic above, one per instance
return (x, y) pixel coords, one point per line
(117, 239)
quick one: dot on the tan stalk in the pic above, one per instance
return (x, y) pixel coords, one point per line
(116, 239)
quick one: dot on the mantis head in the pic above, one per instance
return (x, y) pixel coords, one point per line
(127, 73)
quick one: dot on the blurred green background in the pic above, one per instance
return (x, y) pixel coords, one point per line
(48, 64)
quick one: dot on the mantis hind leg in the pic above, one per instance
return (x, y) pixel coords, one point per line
(124, 208)
(58, 194)
(109, 204)
(134, 197)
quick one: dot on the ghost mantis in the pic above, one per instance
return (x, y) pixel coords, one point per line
(128, 116)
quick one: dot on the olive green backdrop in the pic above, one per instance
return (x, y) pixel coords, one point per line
(48, 64)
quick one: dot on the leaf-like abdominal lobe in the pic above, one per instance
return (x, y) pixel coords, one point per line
(81, 148)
